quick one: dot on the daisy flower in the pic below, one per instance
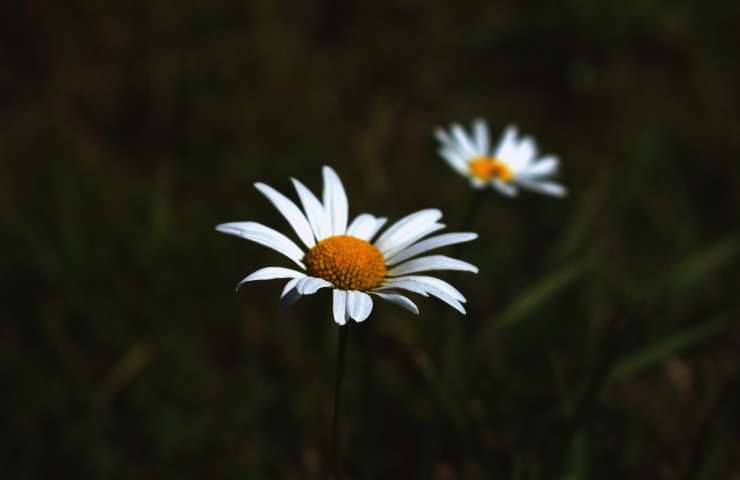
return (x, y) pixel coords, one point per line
(514, 163)
(346, 259)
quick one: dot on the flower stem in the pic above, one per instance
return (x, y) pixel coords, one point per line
(456, 330)
(476, 201)
(343, 341)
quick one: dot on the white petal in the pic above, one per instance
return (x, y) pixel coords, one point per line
(465, 142)
(480, 130)
(340, 307)
(506, 148)
(430, 244)
(404, 284)
(506, 189)
(454, 303)
(410, 223)
(424, 288)
(455, 160)
(379, 222)
(362, 225)
(525, 152)
(311, 285)
(365, 226)
(359, 305)
(290, 211)
(432, 262)
(317, 216)
(290, 294)
(399, 243)
(448, 300)
(399, 300)
(445, 139)
(290, 285)
(335, 201)
(434, 283)
(548, 188)
(544, 167)
(269, 273)
(266, 236)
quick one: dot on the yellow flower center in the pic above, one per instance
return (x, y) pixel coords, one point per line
(347, 262)
(486, 168)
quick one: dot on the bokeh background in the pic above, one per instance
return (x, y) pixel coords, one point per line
(602, 336)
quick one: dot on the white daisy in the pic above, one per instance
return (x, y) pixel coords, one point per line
(342, 257)
(512, 164)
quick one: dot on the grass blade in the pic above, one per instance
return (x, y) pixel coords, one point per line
(664, 348)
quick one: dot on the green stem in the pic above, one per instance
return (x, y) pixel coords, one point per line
(476, 201)
(474, 206)
(454, 344)
(343, 341)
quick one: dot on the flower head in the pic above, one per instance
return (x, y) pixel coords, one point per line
(346, 259)
(514, 163)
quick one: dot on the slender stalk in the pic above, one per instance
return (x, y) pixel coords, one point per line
(343, 341)
(474, 206)
(476, 201)
(455, 329)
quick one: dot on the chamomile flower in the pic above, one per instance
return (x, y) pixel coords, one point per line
(345, 258)
(513, 164)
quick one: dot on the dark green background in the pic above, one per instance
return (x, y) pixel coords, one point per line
(602, 337)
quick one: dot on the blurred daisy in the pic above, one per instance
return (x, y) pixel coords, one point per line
(514, 163)
(341, 256)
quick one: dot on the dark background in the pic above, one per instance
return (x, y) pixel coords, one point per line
(602, 336)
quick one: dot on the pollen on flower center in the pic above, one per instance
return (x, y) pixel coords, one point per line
(486, 168)
(349, 263)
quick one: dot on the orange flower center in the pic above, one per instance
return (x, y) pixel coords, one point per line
(349, 263)
(486, 168)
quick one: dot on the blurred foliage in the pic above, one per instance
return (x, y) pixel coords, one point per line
(602, 336)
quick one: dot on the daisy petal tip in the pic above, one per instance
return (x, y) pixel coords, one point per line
(289, 296)
(288, 300)
(261, 187)
(437, 212)
(241, 284)
(226, 228)
(469, 267)
(359, 305)
(459, 308)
